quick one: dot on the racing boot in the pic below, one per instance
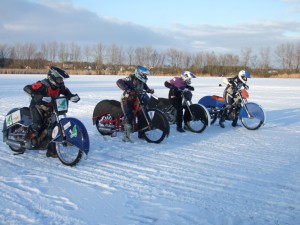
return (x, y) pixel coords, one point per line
(127, 132)
(141, 135)
(221, 122)
(51, 150)
(222, 119)
(234, 123)
(180, 129)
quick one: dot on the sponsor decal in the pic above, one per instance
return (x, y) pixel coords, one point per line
(13, 118)
(55, 132)
(73, 132)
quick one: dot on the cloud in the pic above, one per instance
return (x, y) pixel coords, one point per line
(31, 21)
(45, 20)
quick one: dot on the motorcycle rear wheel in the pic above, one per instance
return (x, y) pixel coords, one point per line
(12, 136)
(213, 114)
(104, 128)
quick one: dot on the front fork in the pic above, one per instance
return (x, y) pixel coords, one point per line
(187, 104)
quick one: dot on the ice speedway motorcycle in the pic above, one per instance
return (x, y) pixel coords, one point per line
(68, 136)
(200, 117)
(108, 118)
(251, 114)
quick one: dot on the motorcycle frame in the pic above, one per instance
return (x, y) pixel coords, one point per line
(118, 120)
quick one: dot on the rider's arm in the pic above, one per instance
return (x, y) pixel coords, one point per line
(191, 88)
(168, 84)
(28, 90)
(246, 86)
(171, 86)
(36, 91)
(70, 96)
(123, 84)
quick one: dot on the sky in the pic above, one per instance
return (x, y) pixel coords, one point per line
(190, 25)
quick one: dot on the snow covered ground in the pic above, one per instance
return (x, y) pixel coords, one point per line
(221, 176)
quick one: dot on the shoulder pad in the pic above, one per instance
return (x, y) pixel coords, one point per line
(46, 82)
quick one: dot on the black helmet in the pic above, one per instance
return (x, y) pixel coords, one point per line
(56, 76)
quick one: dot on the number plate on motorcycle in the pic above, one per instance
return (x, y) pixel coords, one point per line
(61, 104)
(13, 118)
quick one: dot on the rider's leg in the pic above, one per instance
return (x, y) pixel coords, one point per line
(228, 103)
(37, 120)
(127, 107)
(177, 103)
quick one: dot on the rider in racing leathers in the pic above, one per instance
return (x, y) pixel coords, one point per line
(234, 84)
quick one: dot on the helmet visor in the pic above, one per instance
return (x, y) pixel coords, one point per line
(143, 70)
(59, 80)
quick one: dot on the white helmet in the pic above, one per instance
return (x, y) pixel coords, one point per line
(187, 76)
(243, 75)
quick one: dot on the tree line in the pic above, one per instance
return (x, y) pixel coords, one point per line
(114, 59)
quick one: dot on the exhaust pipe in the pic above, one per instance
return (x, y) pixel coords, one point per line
(14, 144)
(106, 129)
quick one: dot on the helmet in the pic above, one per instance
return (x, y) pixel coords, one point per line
(243, 75)
(141, 73)
(186, 76)
(56, 76)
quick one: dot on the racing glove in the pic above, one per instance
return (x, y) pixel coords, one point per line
(75, 98)
(151, 91)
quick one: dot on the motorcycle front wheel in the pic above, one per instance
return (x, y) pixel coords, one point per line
(199, 120)
(67, 153)
(159, 126)
(252, 116)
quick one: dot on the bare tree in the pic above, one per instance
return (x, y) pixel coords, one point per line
(186, 60)
(265, 58)
(5, 50)
(63, 52)
(130, 56)
(173, 57)
(44, 51)
(140, 56)
(246, 56)
(29, 51)
(198, 60)
(53, 50)
(99, 55)
(297, 58)
(280, 55)
(114, 56)
(75, 52)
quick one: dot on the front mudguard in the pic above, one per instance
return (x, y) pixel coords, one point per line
(75, 132)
